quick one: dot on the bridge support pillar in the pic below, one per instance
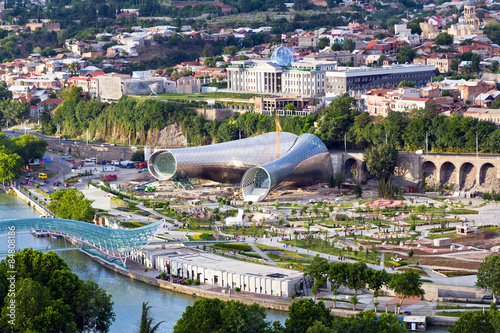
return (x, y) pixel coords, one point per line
(478, 176)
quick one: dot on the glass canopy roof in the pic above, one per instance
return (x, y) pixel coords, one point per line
(118, 241)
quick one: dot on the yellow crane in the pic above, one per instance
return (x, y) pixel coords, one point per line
(278, 130)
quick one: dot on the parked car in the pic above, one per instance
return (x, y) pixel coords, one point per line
(406, 312)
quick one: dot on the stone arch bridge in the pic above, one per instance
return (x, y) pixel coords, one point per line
(462, 171)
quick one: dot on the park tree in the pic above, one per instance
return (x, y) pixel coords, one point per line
(10, 166)
(36, 310)
(29, 146)
(318, 270)
(381, 161)
(239, 317)
(369, 322)
(488, 275)
(338, 179)
(146, 325)
(336, 119)
(71, 204)
(376, 281)
(477, 322)
(50, 298)
(357, 278)
(214, 315)
(443, 38)
(406, 284)
(337, 277)
(304, 313)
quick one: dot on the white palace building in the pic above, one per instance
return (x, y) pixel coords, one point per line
(280, 75)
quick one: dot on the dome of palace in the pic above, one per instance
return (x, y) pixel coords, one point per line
(282, 56)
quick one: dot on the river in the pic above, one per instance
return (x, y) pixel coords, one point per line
(127, 294)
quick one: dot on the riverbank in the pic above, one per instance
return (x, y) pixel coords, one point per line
(39, 208)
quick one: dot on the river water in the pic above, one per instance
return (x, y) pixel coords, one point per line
(127, 294)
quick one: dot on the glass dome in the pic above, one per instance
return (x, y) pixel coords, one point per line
(282, 56)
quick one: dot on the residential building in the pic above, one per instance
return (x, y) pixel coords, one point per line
(379, 47)
(491, 115)
(441, 61)
(485, 100)
(307, 41)
(430, 28)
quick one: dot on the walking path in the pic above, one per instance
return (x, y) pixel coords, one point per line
(262, 254)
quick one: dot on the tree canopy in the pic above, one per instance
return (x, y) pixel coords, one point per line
(381, 161)
(488, 275)
(443, 38)
(50, 298)
(72, 205)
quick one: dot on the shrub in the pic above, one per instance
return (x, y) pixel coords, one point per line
(189, 281)
(196, 282)
(145, 269)
(237, 289)
(163, 274)
(292, 296)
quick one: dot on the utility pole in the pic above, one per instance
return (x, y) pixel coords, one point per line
(427, 142)
(129, 138)
(87, 136)
(385, 137)
(187, 133)
(59, 129)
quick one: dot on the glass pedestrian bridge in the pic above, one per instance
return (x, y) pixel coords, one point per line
(116, 243)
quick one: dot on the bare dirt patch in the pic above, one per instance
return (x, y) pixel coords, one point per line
(448, 262)
(484, 240)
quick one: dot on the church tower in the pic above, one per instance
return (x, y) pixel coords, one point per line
(470, 14)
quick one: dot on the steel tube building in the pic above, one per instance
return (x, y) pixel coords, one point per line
(253, 161)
